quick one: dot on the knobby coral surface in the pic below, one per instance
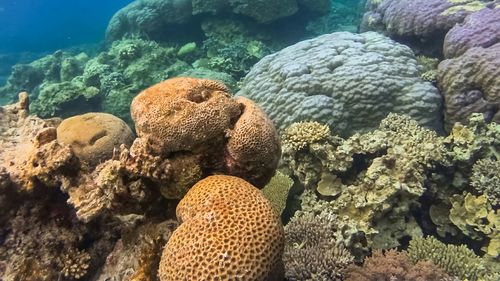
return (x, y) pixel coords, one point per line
(228, 231)
(347, 81)
(469, 85)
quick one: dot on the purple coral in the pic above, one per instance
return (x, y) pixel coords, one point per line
(480, 29)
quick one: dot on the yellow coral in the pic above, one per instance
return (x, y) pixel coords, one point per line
(301, 134)
(276, 191)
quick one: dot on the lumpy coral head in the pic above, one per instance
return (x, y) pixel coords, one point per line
(182, 114)
(93, 136)
(229, 231)
(253, 147)
(199, 117)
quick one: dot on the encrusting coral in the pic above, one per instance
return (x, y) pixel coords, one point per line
(246, 236)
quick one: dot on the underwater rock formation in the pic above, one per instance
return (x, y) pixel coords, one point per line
(480, 29)
(469, 85)
(347, 81)
(246, 235)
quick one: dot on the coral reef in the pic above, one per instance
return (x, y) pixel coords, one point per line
(158, 20)
(420, 23)
(480, 29)
(457, 261)
(247, 236)
(199, 117)
(277, 190)
(468, 85)
(94, 136)
(311, 252)
(395, 266)
(136, 256)
(347, 81)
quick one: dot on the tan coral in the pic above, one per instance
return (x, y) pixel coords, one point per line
(93, 136)
(254, 146)
(183, 113)
(229, 231)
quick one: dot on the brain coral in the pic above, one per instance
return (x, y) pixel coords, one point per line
(347, 81)
(470, 83)
(183, 113)
(93, 136)
(200, 118)
(480, 29)
(229, 231)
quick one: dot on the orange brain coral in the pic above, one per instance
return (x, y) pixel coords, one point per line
(183, 113)
(228, 232)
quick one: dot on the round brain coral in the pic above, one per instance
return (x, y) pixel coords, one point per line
(229, 231)
(183, 113)
(93, 136)
(253, 147)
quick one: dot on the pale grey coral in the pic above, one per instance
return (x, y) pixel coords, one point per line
(347, 81)
(311, 252)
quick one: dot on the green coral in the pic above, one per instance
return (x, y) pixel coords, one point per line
(458, 261)
(476, 218)
(276, 191)
(232, 46)
(377, 176)
(64, 99)
(485, 179)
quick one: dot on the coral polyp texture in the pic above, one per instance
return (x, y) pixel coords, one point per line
(228, 231)
(480, 29)
(347, 81)
(94, 136)
(421, 23)
(200, 118)
(469, 85)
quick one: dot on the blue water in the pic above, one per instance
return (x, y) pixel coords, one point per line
(47, 25)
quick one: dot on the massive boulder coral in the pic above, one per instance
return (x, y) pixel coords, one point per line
(228, 231)
(94, 136)
(469, 85)
(198, 117)
(347, 81)
(423, 23)
(157, 19)
(480, 29)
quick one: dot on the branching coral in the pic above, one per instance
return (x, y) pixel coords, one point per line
(311, 250)
(377, 176)
(75, 264)
(457, 261)
(395, 266)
